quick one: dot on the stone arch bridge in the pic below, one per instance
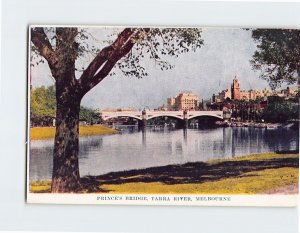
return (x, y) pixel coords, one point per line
(143, 116)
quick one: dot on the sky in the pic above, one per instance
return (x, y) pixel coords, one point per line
(209, 70)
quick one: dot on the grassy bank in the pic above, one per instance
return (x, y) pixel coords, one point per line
(249, 183)
(49, 132)
(244, 175)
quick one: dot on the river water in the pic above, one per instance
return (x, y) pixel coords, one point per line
(133, 149)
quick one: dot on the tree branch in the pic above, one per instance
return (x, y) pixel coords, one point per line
(107, 58)
(108, 65)
(41, 42)
(105, 53)
(64, 35)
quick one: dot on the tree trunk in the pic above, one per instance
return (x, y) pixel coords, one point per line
(65, 176)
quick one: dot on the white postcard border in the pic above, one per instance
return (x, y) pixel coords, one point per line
(165, 199)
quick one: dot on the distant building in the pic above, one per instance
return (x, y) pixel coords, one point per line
(287, 93)
(235, 89)
(263, 94)
(162, 108)
(222, 96)
(183, 101)
(187, 101)
(235, 93)
(171, 104)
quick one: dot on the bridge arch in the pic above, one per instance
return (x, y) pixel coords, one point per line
(216, 117)
(123, 115)
(164, 115)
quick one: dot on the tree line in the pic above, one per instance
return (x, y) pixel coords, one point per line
(280, 110)
(275, 109)
(43, 108)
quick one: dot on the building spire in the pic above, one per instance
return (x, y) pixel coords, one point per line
(235, 89)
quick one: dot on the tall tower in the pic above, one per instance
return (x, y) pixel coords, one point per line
(235, 89)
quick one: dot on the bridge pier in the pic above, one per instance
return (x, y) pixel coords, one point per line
(144, 136)
(185, 123)
(185, 120)
(143, 123)
(185, 135)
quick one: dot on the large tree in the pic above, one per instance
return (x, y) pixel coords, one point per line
(128, 51)
(277, 55)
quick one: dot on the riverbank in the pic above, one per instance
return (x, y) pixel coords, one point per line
(38, 133)
(266, 125)
(253, 174)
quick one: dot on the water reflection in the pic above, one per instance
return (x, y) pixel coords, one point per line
(133, 149)
(185, 135)
(144, 137)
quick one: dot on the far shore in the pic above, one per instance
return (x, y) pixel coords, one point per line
(39, 133)
(266, 125)
(266, 173)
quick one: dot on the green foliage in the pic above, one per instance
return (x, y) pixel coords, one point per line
(150, 44)
(43, 108)
(89, 115)
(275, 99)
(158, 44)
(280, 111)
(277, 55)
(43, 105)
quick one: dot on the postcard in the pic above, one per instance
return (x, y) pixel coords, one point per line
(163, 116)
